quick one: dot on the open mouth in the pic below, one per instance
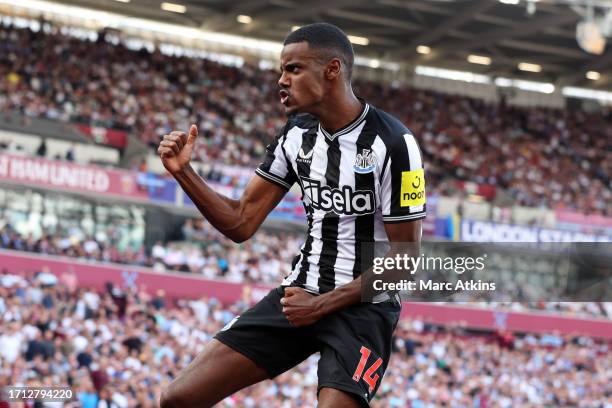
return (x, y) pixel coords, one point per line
(284, 96)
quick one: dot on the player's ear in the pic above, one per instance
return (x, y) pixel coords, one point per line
(334, 68)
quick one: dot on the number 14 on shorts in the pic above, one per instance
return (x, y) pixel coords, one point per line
(370, 379)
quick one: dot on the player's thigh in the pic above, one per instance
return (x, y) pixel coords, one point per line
(217, 372)
(333, 398)
(265, 336)
(355, 348)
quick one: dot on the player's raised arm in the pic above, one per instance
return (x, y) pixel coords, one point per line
(236, 219)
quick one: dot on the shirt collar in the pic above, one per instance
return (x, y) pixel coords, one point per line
(349, 127)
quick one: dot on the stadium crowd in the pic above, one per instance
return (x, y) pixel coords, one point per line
(265, 258)
(118, 348)
(542, 157)
(204, 251)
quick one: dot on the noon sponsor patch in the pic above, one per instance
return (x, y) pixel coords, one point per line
(413, 188)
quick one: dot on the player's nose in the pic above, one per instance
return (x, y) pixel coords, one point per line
(283, 81)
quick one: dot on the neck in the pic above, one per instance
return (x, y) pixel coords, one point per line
(339, 109)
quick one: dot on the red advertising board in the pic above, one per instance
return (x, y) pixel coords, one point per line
(488, 191)
(530, 322)
(69, 177)
(104, 136)
(191, 286)
(96, 274)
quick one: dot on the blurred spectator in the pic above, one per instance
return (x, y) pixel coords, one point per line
(42, 149)
(70, 154)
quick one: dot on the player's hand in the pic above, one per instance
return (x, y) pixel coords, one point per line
(300, 307)
(176, 148)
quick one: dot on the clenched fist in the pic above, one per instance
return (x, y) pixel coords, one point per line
(176, 148)
(300, 307)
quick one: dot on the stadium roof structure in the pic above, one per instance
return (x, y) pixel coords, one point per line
(527, 39)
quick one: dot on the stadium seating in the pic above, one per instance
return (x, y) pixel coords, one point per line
(128, 345)
(542, 157)
(125, 344)
(206, 252)
(22, 143)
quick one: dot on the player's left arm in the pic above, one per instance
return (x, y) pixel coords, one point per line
(303, 308)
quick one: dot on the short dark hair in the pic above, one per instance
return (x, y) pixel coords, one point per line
(327, 38)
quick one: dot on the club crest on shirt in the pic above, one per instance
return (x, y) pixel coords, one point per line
(365, 162)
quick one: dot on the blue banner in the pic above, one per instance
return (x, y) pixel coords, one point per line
(485, 231)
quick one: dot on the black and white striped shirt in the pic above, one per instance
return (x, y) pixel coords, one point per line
(353, 181)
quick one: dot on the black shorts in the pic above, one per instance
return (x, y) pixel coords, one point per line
(355, 343)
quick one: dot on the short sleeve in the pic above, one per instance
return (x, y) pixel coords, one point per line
(402, 190)
(275, 166)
